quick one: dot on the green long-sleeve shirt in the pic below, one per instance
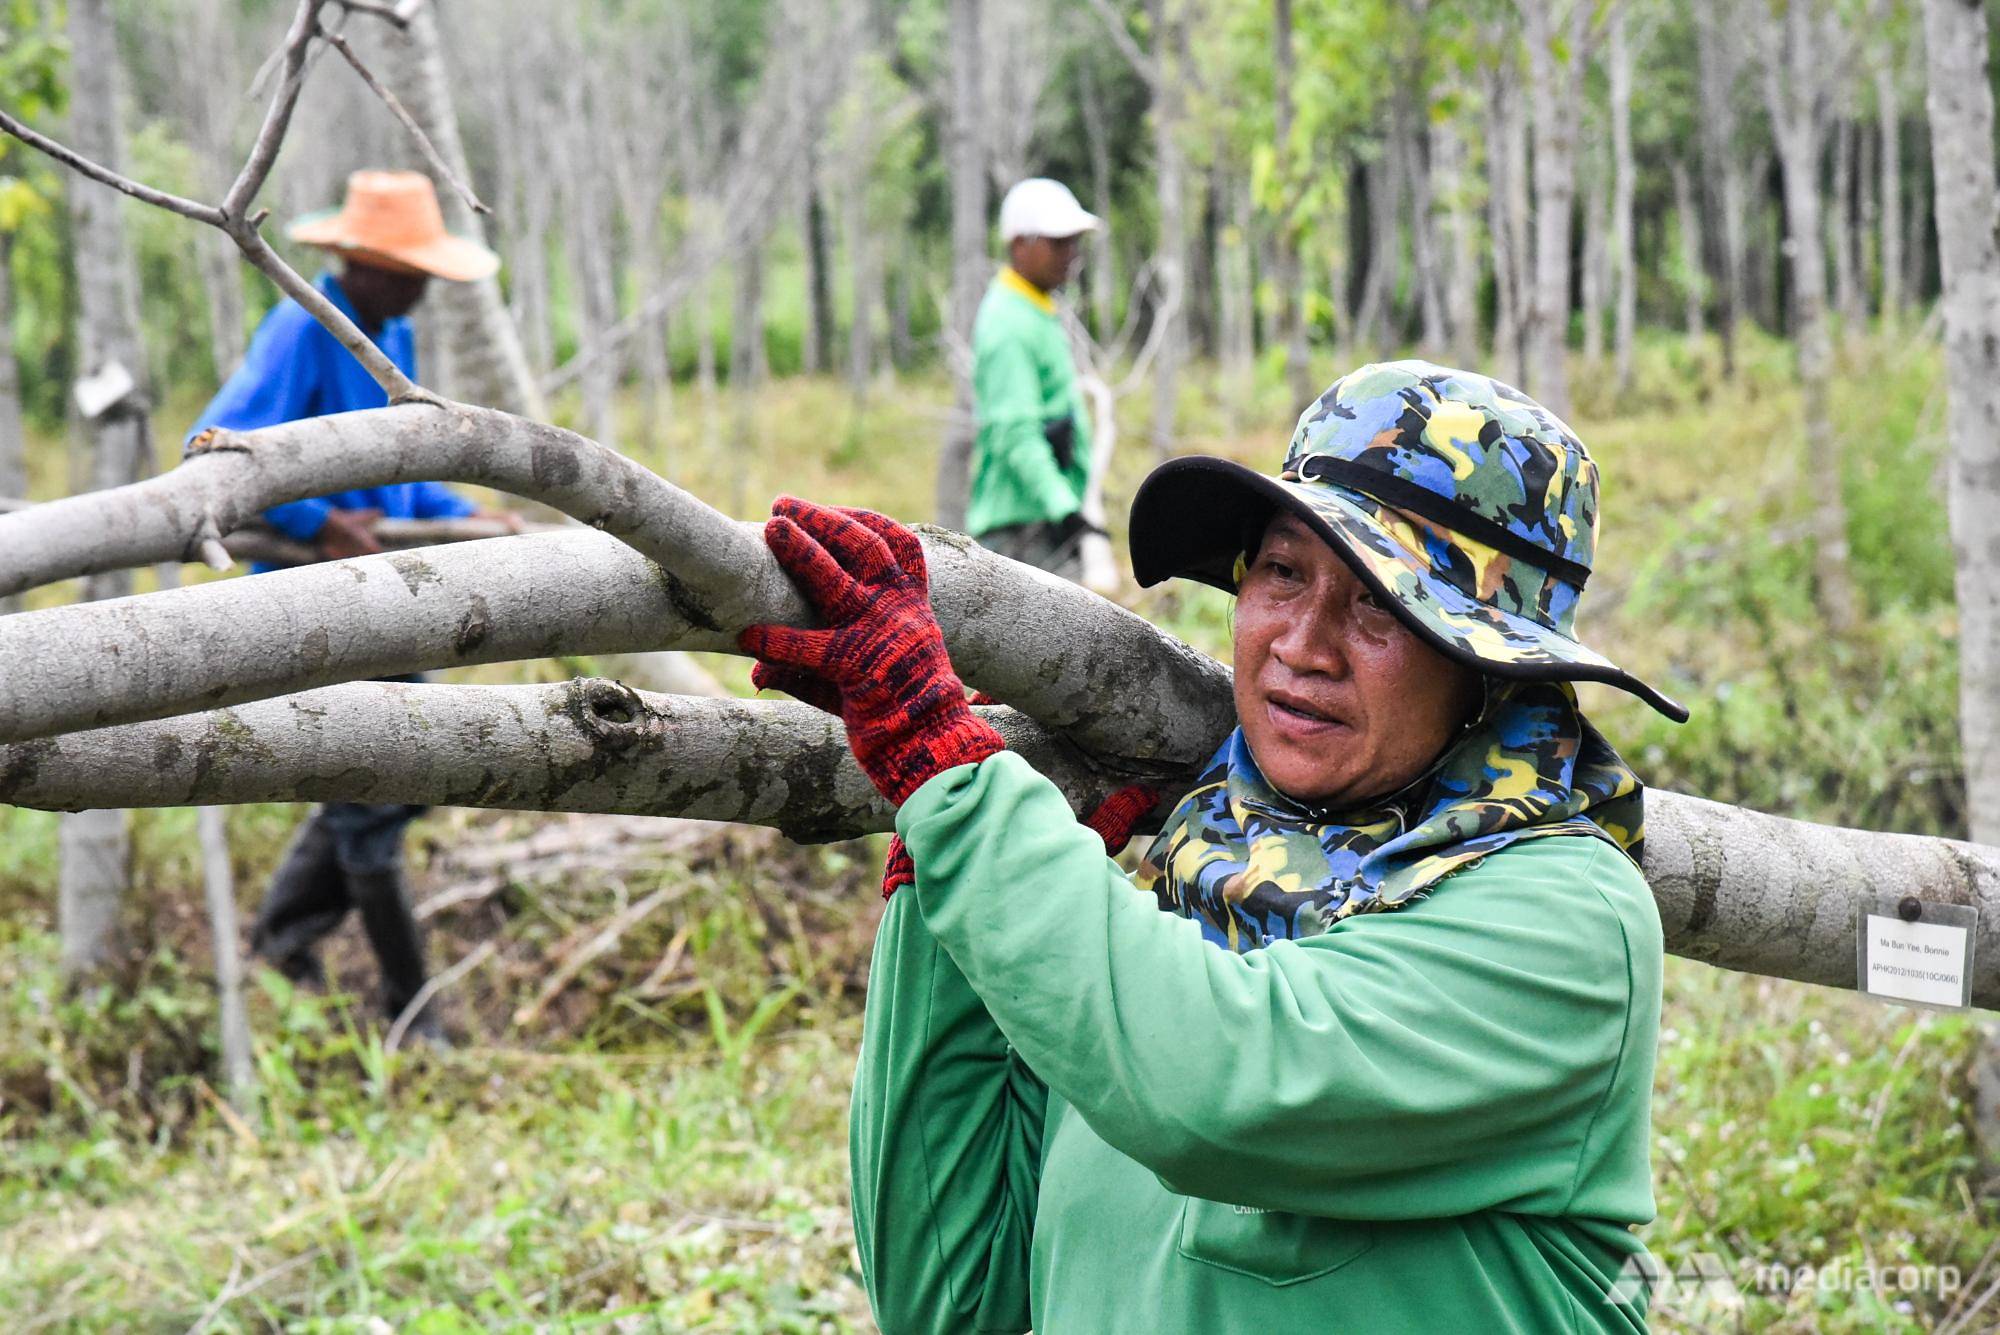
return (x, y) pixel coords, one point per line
(1022, 379)
(1074, 1113)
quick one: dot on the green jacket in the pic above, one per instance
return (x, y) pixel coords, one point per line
(1022, 379)
(1075, 1114)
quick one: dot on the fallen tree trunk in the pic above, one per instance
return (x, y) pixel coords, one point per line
(1735, 888)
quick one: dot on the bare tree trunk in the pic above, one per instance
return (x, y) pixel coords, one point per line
(819, 283)
(95, 845)
(239, 1070)
(1795, 57)
(1889, 186)
(747, 365)
(1917, 227)
(13, 433)
(1169, 166)
(484, 346)
(1718, 65)
(1960, 102)
(1235, 295)
(1503, 169)
(1555, 30)
(1286, 274)
(1426, 258)
(1461, 287)
(1842, 233)
(1624, 174)
(969, 263)
(1692, 273)
(1102, 273)
(1595, 294)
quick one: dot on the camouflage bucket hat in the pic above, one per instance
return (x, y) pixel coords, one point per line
(1462, 503)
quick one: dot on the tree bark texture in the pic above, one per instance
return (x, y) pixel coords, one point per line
(1960, 102)
(95, 844)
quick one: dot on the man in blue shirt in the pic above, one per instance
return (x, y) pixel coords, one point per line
(392, 241)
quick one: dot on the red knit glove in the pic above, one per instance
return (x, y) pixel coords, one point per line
(881, 648)
(1112, 821)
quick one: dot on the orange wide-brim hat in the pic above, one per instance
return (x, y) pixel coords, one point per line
(392, 220)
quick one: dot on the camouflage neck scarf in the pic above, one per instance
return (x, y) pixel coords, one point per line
(1253, 866)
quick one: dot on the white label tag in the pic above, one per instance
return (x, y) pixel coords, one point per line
(1923, 962)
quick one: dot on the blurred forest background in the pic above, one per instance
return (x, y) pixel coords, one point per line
(742, 243)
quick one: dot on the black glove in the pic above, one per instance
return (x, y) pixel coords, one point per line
(1060, 432)
(1071, 528)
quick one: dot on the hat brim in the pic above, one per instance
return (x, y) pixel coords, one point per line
(1194, 516)
(452, 258)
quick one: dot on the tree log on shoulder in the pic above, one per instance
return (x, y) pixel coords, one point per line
(1738, 889)
(584, 745)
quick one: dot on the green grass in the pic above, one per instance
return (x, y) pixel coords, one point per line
(675, 1159)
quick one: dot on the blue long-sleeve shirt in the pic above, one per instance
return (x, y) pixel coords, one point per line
(296, 369)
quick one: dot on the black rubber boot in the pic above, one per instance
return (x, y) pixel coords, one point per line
(306, 900)
(398, 942)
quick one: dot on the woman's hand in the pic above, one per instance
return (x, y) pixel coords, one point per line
(880, 657)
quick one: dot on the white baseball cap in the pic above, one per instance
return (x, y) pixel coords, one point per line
(1041, 207)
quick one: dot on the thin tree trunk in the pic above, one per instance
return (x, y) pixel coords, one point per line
(1235, 295)
(747, 367)
(1718, 66)
(95, 845)
(1286, 276)
(1461, 287)
(1917, 228)
(1169, 166)
(1889, 186)
(1555, 60)
(239, 1070)
(1960, 102)
(1692, 273)
(13, 433)
(1502, 168)
(1624, 172)
(1596, 276)
(1101, 273)
(819, 282)
(1842, 232)
(1427, 260)
(969, 264)
(484, 346)
(1794, 56)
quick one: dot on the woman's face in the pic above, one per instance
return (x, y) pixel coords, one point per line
(1339, 701)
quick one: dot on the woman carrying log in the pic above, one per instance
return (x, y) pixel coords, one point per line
(1366, 1043)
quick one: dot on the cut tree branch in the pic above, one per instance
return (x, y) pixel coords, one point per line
(162, 649)
(1735, 888)
(408, 122)
(582, 745)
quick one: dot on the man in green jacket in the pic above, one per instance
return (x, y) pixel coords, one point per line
(1032, 460)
